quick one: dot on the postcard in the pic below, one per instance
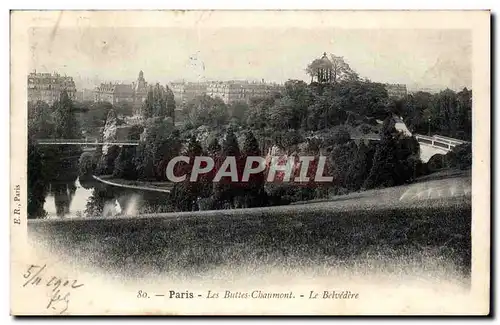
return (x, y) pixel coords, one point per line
(218, 162)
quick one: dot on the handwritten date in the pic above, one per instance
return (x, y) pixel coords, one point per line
(59, 297)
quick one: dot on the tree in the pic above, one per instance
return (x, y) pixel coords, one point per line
(170, 102)
(37, 182)
(95, 204)
(161, 142)
(282, 114)
(414, 111)
(107, 164)
(226, 190)
(341, 158)
(253, 191)
(214, 147)
(446, 113)
(185, 194)
(158, 103)
(407, 157)
(238, 112)
(360, 166)
(258, 111)
(108, 153)
(124, 108)
(40, 124)
(135, 133)
(460, 157)
(361, 97)
(62, 160)
(302, 96)
(124, 164)
(230, 145)
(86, 165)
(205, 110)
(442, 113)
(338, 135)
(381, 173)
(395, 160)
(338, 67)
(464, 114)
(95, 116)
(341, 70)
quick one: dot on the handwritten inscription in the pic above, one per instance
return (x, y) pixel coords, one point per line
(61, 288)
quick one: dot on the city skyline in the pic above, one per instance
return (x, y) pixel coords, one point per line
(417, 58)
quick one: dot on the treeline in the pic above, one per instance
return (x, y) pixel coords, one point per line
(52, 169)
(315, 119)
(303, 119)
(299, 106)
(446, 113)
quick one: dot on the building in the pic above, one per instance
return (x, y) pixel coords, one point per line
(396, 90)
(140, 88)
(194, 89)
(240, 91)
(322, 70)
(115, 93)
(425, 90)
(85, 95)
(178, 90)
(228, 91)
(47, 87)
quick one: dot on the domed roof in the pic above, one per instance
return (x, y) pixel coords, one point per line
(324, 59)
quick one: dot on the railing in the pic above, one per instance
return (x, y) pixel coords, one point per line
(85, 142)
(451, 140)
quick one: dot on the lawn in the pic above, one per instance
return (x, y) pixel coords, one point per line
(380, 227)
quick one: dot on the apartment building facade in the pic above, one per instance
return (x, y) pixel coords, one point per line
(47, 87)
(115, 93)
(240, 91)
(186, 91)
(396, 90)
(228, 91)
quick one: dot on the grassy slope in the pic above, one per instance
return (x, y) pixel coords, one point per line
(387, 224)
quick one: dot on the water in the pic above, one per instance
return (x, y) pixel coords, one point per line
(77, 205)
(81, 197)
(105, 201)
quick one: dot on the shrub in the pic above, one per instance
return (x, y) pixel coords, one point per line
(460, 157)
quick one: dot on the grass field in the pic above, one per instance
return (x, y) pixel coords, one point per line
(424, 225)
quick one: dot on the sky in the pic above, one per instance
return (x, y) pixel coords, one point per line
(429, 58)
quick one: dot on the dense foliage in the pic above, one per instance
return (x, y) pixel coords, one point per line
(339, 119)
(446, 113)
(52, 169)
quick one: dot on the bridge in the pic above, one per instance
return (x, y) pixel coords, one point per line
(429, 145)
(436, 144)
(85, 142)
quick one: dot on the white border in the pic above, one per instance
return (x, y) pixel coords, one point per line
(186, 4)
